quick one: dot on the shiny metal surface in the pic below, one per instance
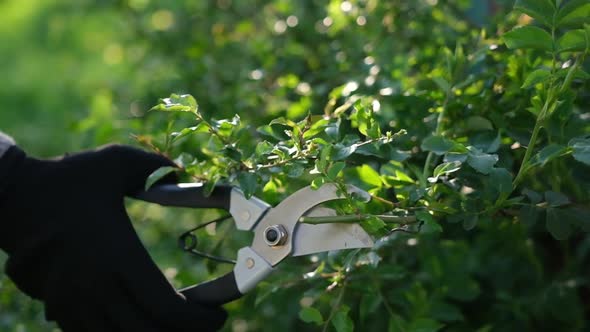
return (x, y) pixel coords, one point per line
(288, 212)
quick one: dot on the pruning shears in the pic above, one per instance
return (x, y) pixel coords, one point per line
(278, 232)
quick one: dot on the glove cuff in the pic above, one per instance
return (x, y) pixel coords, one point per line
(5, 143)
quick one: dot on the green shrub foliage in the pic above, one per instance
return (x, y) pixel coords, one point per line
(468, 123)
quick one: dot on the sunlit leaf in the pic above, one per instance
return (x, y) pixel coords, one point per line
(178, 103)
(574, 13)
(528, 37)
(158, 174)
(541, 10)
(573, 41)
(536, 77)
(581, 149)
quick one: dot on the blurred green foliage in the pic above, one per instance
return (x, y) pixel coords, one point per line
(77, 75)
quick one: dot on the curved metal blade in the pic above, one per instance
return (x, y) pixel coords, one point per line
(311, 239)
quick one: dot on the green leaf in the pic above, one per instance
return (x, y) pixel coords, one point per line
(540, 10)
(369, 303)
(335, 169)
(177, 103)
(573, 41)
(528, 37)
(424, 325)
(430, 225)
(311, 315)
(536, 77)
(369, 176)
(558, 224)
(501, 180)
(470, 222)
(556, 199)
(202, 127)
(533, 196)
(264, 148)
(574, 13)
(529, 214)
(294, 170)
(341, 321)
(443, 84)
(548, 153)
(248, 183)
(318, 182)
(477, 123)
(158, 175)
(581, 149)
(396, 324)
(437, 144)
(481, 162)
(373, 225)
(444, 169)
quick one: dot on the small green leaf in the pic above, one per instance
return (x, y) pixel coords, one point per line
(443, 84)
(501, 180)
(555, 199)
(318, 182)
(248, 183)
(373, 225)
(477, 123)
(528, 37)
(548, 153)
(574, 13)
(533, 196)
(294, 170)
(341, 321)
(158, 175)
(177, 103)
(430, 225)
(529, 214)
(437, 144)
(369, 176)
(444, 169)
(264, 148)
(558, 224)
(581, 149)
(335, 169)
(424, 325)
(470, 221)
(311, 315)
(536, 77)
(540, 10)
(573, 41)
(481, 162)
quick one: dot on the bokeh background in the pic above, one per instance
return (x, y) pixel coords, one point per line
(79, 74)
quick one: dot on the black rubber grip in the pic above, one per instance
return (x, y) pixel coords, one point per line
(188, 195)
(214, 292)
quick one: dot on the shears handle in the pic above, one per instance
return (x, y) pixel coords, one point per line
(191, 195)
(213, 292)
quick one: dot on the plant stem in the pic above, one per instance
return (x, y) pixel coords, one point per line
(335, 307)
(529, 151)
(437, 131)
(350, 219)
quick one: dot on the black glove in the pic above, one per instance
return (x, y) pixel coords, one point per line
(71, 244)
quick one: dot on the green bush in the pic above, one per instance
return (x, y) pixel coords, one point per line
(471, 132)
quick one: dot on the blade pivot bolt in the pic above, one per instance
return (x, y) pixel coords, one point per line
(275, 235)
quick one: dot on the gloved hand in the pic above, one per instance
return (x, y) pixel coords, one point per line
(71, 244)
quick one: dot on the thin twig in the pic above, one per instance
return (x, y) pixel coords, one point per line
(335, 307)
